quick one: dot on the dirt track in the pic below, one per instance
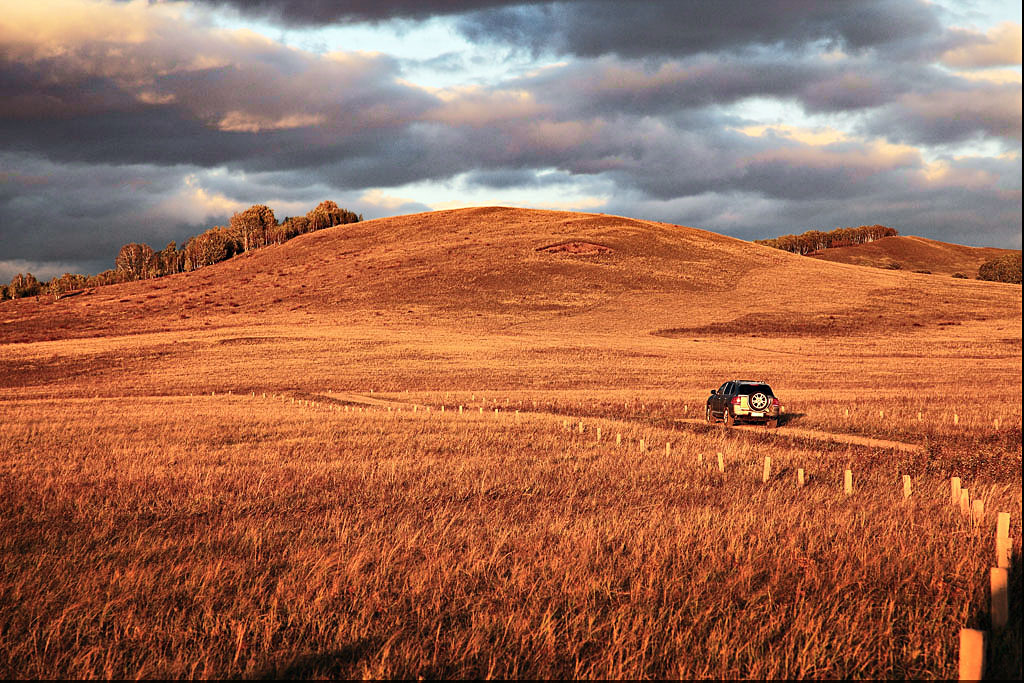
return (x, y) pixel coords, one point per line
(783, 431)
(824, 436)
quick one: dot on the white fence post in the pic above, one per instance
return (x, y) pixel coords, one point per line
(972, 654)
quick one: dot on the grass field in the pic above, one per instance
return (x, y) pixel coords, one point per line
(228, 494)
(241, 536)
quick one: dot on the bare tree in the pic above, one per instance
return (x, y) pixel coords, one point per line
(133, 259)
(253, 226)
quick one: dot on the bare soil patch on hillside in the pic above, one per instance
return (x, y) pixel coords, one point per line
(576, 247)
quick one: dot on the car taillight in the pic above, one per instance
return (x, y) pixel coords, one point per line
(775, 402)
(736, 401)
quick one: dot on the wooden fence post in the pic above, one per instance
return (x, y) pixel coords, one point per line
(598, 434)
(954, 490)
(800, 480)
(848, 482)
(906, 486)
(618, 439)
(1000, 597)
(721, 463)
(972, 654)
(1003, 546)
(642, 445)
(767, 474)
(965, 502)
(668, 449)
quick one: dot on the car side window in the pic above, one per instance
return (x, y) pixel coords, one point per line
(722, 389)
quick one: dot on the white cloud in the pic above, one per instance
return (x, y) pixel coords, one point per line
(242, 122)
(1000, 46)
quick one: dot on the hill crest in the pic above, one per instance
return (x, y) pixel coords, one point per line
(910, 252)
(486, 268)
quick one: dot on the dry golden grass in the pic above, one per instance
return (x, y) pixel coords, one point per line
(915, 253)
(238, 536)
(150, 529)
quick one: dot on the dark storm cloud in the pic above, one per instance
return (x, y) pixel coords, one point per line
(67, 213)
(685, 27)
(652, 28)
(978, 215)
(942, 116)
(904, 102)
(195, 97)
(318, 12)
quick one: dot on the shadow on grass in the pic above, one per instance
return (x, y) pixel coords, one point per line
(1003, 653)
(341, 663)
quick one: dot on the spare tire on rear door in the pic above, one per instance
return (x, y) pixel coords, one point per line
(760, 401)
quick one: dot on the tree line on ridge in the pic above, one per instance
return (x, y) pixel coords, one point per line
(253, 228)
(815, 240)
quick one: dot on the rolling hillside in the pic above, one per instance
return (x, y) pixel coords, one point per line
(492, 269)
(914, 253)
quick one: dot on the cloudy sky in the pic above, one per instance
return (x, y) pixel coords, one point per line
(151, 121)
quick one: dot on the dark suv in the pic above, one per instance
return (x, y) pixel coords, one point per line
(743, 401)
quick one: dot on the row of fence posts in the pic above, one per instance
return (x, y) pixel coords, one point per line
(972, 641)
(920, 417)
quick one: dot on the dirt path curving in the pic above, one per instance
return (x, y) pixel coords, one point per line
(816, 435)
(792, 432)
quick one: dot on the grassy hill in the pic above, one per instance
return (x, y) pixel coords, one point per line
(914, 253)
(499, 268)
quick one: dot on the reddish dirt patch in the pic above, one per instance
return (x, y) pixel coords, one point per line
(576, 248)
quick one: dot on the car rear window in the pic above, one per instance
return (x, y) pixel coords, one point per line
(748, 389)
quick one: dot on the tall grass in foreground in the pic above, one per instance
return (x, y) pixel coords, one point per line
(236, 536)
